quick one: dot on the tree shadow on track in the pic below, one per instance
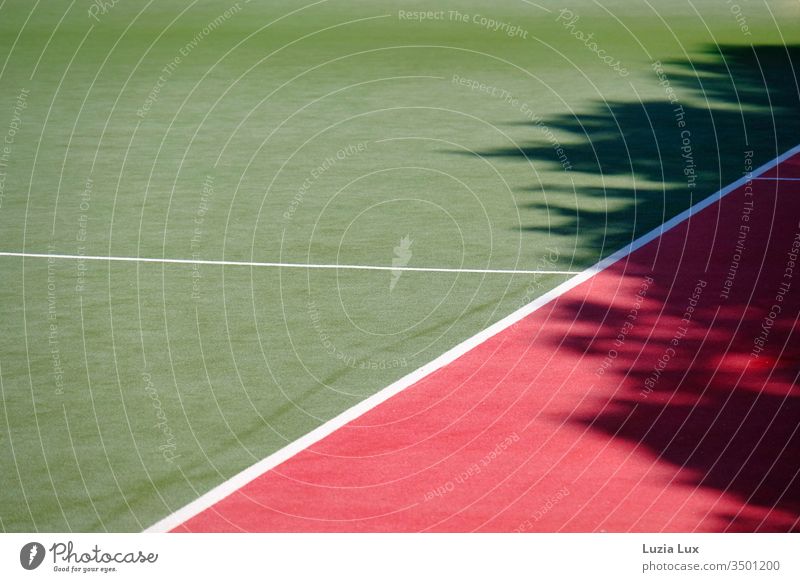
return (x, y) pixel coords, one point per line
(730, 424)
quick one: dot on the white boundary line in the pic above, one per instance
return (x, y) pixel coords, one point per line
(778, 179)
(282, 265)
(236, 482)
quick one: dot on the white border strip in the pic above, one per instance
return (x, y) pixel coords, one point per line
(282, 265)
(236, 482)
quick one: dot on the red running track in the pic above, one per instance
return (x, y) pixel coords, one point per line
(659, 395)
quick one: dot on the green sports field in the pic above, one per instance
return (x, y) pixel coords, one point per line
(471, 137)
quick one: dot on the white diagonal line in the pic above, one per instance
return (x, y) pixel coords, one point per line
(250, 473)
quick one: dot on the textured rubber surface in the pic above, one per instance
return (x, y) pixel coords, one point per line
(656, 396)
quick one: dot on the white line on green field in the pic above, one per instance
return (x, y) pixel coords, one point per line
(280, 265)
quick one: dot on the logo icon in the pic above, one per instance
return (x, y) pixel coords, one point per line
(31, 555)
(402, 256)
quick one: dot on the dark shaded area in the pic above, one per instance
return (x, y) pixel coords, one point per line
(729, 423)
(733, 99)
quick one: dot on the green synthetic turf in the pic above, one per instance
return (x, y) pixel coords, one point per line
(129, 389)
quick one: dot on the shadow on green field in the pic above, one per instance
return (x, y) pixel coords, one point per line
(718, 423)
(673, 151)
